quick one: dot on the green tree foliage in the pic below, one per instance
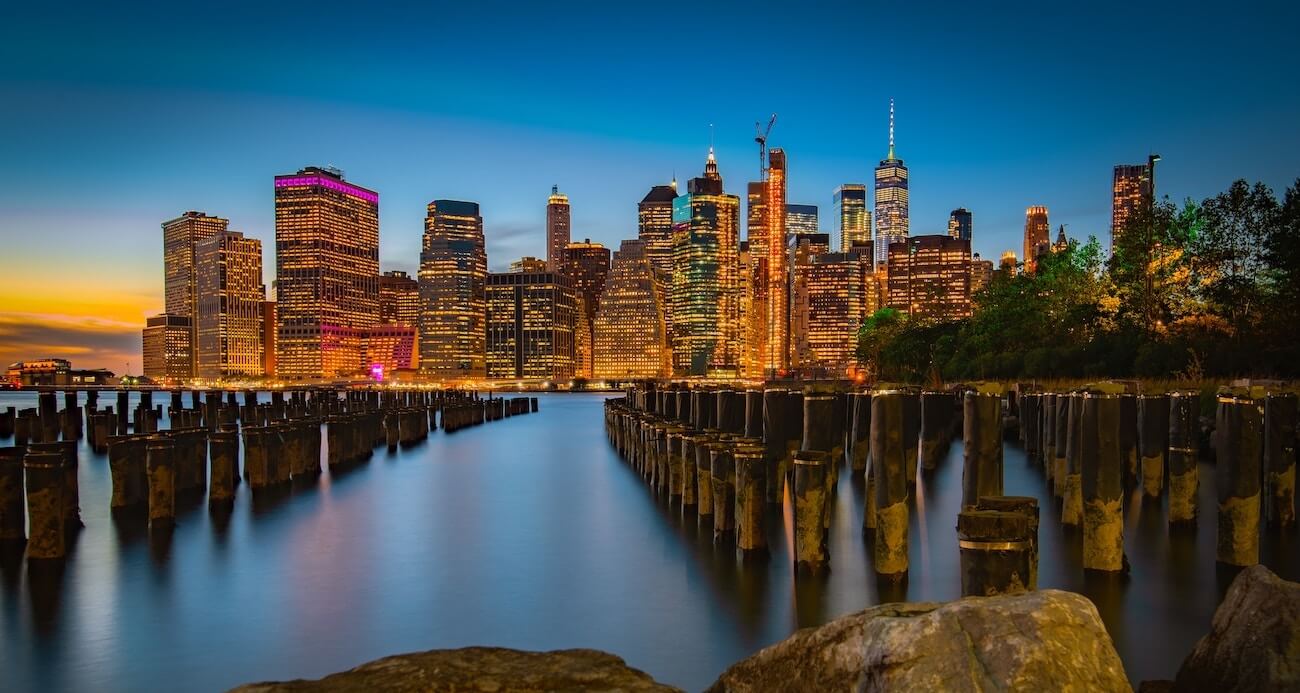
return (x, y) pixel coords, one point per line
(1211, 288)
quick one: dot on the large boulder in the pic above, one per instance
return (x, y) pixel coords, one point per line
(1038, 641)
(486, 669)
(1254, 639)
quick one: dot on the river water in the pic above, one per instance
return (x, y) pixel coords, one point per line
(531, 533)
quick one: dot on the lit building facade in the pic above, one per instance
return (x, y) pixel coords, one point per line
(168, 347)
(558, 228)
(530, 325)
(981, 273)
(181, 237)
(268, 338)
(776, 344)
(854, 218)
(390, 347)
(959, 224)
(453, 292)
(705, 280)
(654, 215)
(834, 293)
(528, 263)
(1037, 236)
(229, 325)
(393, 343)
(891, 199)
(754, 335)
(630, 333)
(1132, 188)
(801, 219)
(327, 273)
(399, 299)
(929, 277)
(587, 266)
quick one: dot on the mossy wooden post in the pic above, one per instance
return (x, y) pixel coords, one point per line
(255, 465)
(12, 527)
(809, 494)
(223, 449)
(754, 415)
(673, 458)
(1153, 440)
(996, 552)
(1103, 484)
(71, 416)
(1128, 438)
(1072, 498)
(751, 485)
(936, 415)
(731, 412)
(392, 430)
(1239, 424)
(889, 466)
(1029, 421)
(819, 435)
(1047, 433)
(981, 447)
(67, 449)
(44, 481)
(723, 471)
(704, 475)
(162, 481)
(911, 432)
(782, 434)
(1279, 459)
(1059, 462)
(859, 432)
(48, 409)
(690, 488)
(1027, 506)
(1184, 478)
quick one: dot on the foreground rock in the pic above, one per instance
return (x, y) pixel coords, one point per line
(481, 669)
(1254, 639)
(1040, 641)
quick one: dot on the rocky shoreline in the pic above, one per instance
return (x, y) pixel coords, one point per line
(1034, 641)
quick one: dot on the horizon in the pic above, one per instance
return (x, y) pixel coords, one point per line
(996, 111)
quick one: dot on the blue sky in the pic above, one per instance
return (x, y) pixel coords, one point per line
(116, 118)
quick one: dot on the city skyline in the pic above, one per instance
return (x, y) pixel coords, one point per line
(504, 148)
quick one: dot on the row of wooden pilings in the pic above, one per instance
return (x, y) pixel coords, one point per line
(1093, 445)
(723, 454)
(151, 468)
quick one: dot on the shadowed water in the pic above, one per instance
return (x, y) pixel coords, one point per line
(531, 533)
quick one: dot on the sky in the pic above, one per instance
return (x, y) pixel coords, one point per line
(116, 117)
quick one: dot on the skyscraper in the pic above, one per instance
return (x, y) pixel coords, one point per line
(1037, 236)
(587, 266)
(929, 277)
(394, 343)
(327, 273)
(801, 219)
(630, 334)
(229, 325)
(776, 345)
(453, 279)
(854, 217)
(557, 228)
(754, 334)
(959, 224)
(180, 284)
(705, 304)
(981, 273)
(1133, 187)
(168, 347)
(399, 299)
(530, 322)
(891, 198)
(655, 226)
(834, 293)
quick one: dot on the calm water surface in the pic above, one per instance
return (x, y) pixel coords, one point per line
(530, 533)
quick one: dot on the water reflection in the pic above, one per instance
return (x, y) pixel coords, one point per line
(528, 532)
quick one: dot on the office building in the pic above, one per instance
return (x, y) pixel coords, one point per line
(959, 224)
(530, 324)
(833, 294)
(229, 324)
(453, 292)
(1133, 187)
(327, 273)
(180, 284)
(1037, 236)
(854, 217)
(801, 219)
(929, 277)
(557, 228)
(587, 266)
(399, 299)
(630, 334)
(655, 226)
(776, 344)
(167, 348)
(891, 198)
(268, 339)
(981, 273)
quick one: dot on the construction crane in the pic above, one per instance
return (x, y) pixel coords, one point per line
(760, 136)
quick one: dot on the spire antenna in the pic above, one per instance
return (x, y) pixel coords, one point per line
(891, 128)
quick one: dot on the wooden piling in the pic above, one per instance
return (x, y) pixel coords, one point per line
(1184, 478)
(1279, 459)
(1028, 507)
(1102, 480)
(44, 482)
(982, 447)
(723, 471)
(1153, 440)
(809, 495)
(1062, 436)
(162, 481)
(223, 449)
(1072, 498)
(751, 487)
(12, 527)
(1128, 438)
(911, 432)
(782, 436)
(859, 432)
(1239, 424)
(889, 466)
(996, 555)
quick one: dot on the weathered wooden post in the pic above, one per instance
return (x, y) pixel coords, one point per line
(751, 486)
(71, 495)
(1028, 507)
(690, 485)
(123, 412)
(889, 466)
(731, 412)
(723, 470)
(1279, 459)
(12, 527)
(1047, 432)
(982, 447)
(1128, 438)
(223, 448)
(44, 481)
(1237, 470)
(1072, 500)
(860, 432)
(1029, 424)
(782, 435)
(996, 553)
(71, 418)
(1184, 479)
(1103, 484)
(1060, 463)
(819, 435)
(162, 481)
(809, 492)
(256, 470)
(754, 415)
(48, 408)
(1153, 440)
(911, 432)
(704, 475)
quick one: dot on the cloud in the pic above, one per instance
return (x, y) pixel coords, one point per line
(86, 341)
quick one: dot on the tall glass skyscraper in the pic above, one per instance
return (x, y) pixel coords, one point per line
(453, 280)
(557, 228)
(181, 237)
(1037, 236)
(891, 198)
(776, 345)
(854, 217)
(959, 224)
(229, 322)
(327, 273)
(1133, 187)
(801, 219)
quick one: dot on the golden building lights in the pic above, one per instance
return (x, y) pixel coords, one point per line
(630, 334)
(1037, 236)
(230, 321)
(180, 288)
(1133, 186)
(854, 218)
(168, 347)
(530, 325)
(587, 266)
(453, 279)
(891, 198)
(929, 277)
(776, 349)
(557, 228)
